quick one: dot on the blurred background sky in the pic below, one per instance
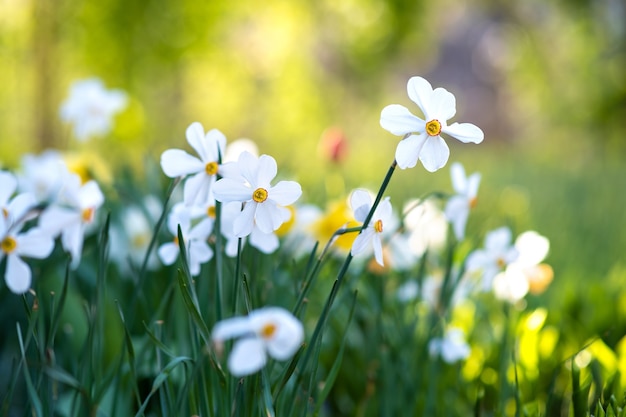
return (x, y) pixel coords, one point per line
(545, 80)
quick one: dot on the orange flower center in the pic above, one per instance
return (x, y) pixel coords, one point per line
(473, 202)
(378, 226)
(8, 244)
(433, 128)
(259, 195)
(5, 213)
(211, 168)
(268, 330)
(88, 214)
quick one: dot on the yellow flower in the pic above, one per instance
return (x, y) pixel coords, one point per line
(337, 216)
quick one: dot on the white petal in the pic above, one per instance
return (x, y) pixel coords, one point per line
(420, 92)
(434, 154)
(247, 357)
(72, 240)
(457, 212)
(285, 192)
(176, 162)
(465, 132)
(378, 249)
(17, 275)
(409, 149)
(8, 185)
(55, 219)
(400, 121)
(459, 181)
(34, 244)
(232, 327)
(442, 105)
(267, 171)
(532, 248)
(360, 202)
(249, 167)
(265, 242)
(214, 145)
(269, 216)
(90, 195)
(244, 222)
(200, 252)
(384, 211)
(362, 241)
(498, 239)
(196, 189)
(228, 189)
(168, 252)
(195, 137)
(473, 182)
(19, 206)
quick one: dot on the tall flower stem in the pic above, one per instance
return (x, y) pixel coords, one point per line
(346, 264)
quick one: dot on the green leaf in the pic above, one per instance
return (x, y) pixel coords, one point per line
(35, 402)
(192, 308)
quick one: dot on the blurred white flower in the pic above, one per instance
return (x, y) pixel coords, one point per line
(425, 142)
(526, 273)
(496, 255)
(371, 235)
(427, 226)
(13, 209)
(14, 245)
(237, 147)
(459, 205)
(271, 331)
(72, 213)
(408, 291)
(131, 238)
(203, 170)
(452, 347)
(90, 108)
(263, 203)
(195, 237)
(299, 239)
(43, 175)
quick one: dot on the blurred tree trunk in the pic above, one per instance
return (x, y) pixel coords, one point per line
(45, 59)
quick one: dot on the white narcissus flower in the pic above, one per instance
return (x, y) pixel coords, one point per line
(452, 347)
(361, 204)
(72, 213)
(203, 170)
(425, 142)
(90, 107)
(459, 205)
(526, 273)
(264, 204)
(31, 244)
(497, 254)
(427, 226)
(271, 331)
(13, 210)
(198, 250)
(43, 175)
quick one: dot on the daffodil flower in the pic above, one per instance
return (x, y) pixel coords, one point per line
(202, 170)
(459, 205)
(271, 331)
(424, 141)
(494, 258)
(14, 246)
(72, 213)
(90, 108)
(361, 203)
(195, 237)
(263, 204)
(452, 347)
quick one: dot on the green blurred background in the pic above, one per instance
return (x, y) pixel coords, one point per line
(545, 79)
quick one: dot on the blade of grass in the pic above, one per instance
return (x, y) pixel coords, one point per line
(35, 402)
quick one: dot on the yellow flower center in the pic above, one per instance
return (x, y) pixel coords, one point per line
(473, 202)
(211, 168)
(433, 128)
(259, 195)
(268, 330)
(88, 214)
(210, 211)
(378, 226)
(500, 262)
(8, 244)
(5, 213)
